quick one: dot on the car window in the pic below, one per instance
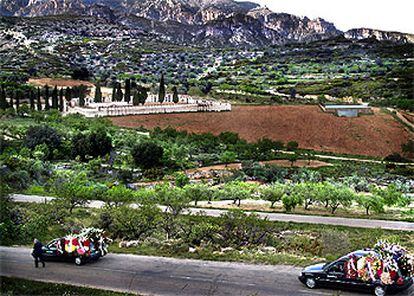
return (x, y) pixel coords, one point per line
(338, 267)
(52, 244)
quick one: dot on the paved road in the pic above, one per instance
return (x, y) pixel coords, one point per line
(364, 223)
(345, 158)
(164, 276)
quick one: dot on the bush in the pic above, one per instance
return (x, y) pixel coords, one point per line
(37, 135)
(237, 229)
(134, 224)
(291, 201)
(147, 155)
(95, 144)
(292, 145)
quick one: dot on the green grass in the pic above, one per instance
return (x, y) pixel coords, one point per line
(15, 286)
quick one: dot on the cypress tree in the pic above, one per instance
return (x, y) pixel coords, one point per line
(3, 101)
(98, 93)
(175, 95)
(114, 93)
(46, 98)
(38, 101)
(133, 83)
(32, 99)
(68, 94)
(55, 99)
(81, 99)
(135, 98)
(119, 93)
(127, 90)
(61, 102)
(161, 92)
(143, 95)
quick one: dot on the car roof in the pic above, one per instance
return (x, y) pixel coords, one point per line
(359, 253)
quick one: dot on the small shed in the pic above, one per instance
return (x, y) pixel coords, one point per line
(347, 110)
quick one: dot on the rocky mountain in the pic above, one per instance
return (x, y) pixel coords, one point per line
(205, 22)
(364, 33)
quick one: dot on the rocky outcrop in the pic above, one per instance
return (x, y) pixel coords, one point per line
(364, 33)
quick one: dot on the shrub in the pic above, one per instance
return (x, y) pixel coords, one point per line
(292, 145)
(134, 224)
(291, 201)
(95, 144)
(147, 155)
(37, 135)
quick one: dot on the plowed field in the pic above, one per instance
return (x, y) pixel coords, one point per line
(374, 135)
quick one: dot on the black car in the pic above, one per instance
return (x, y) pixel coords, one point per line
(51, 252)
(332, 275)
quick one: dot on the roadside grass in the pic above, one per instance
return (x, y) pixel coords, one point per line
(19, 287)
(256, 256)
(286, 243)
(355, 212)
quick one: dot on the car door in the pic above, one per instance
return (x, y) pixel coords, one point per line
(335, 275)
(50, 251)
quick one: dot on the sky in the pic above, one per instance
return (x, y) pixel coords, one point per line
(392, 15)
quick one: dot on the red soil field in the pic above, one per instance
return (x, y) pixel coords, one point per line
(374, 135)
(59, 82)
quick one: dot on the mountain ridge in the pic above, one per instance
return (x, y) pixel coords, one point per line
(206, 22)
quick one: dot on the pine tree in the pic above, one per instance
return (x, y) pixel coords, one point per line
(175, 95)
(127, 90)
(46, 98)
(38, 101)
(3, 101)
(119, 93)
(161, 92)
(61, 101)
(55, 99)
(98, 93)
(32, 99)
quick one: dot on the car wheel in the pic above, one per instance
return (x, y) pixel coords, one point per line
(380, 291)
(78, 261)
(310, 283)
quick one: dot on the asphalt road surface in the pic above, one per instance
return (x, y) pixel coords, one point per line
(349, 222)
(165, 276)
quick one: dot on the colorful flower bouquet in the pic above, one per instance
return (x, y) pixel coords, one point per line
(386, 262)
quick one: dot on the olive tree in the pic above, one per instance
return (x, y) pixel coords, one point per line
(273, 193)
(370, 202)
(198, 192)
(73, 189)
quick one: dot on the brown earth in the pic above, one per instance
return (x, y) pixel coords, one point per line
(374, 135)
(59, 82)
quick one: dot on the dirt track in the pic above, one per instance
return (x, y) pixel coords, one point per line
(375, 135)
